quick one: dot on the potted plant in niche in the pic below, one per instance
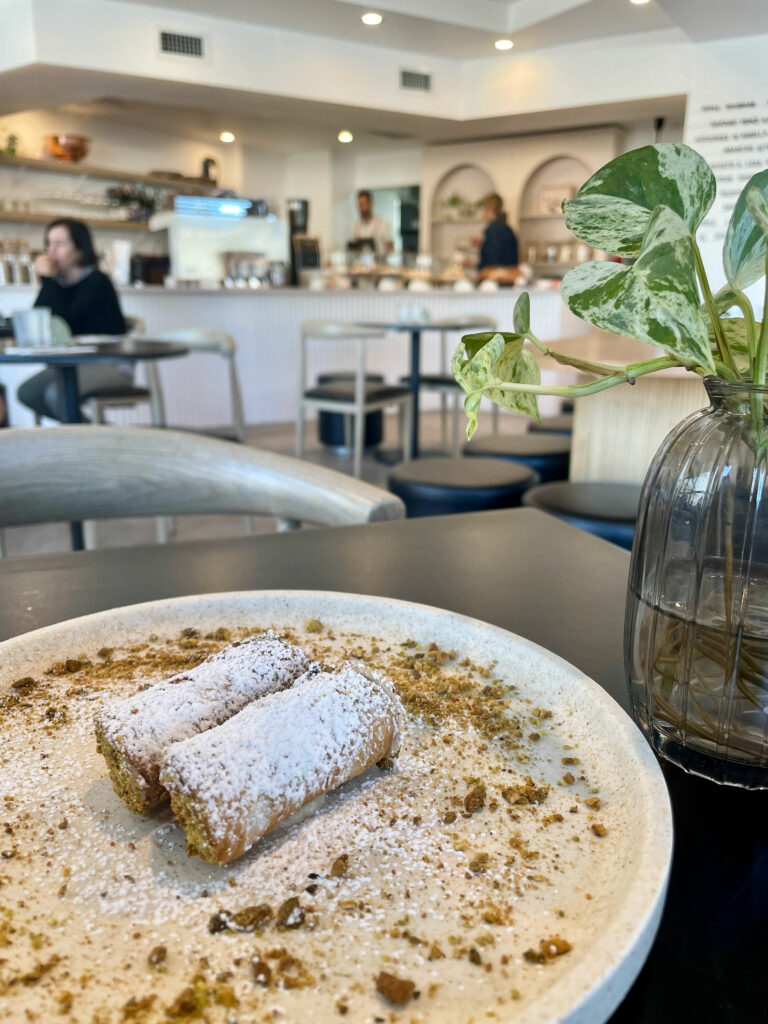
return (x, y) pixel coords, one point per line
(696, 634)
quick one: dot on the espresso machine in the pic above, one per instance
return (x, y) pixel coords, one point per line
(305, 249)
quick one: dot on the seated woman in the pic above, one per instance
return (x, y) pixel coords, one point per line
(76, 290)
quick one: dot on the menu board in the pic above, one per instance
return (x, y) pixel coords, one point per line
(727, 123)
(732, 136)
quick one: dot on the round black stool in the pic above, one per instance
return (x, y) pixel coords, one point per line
(439, 486)
(548, 454)
(562, 424)
(330, 425)
(607, 510)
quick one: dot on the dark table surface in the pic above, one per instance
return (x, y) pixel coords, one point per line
(528, 573)
(119, 350)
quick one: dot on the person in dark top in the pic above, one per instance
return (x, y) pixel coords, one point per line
(74, 289)
(499, 248)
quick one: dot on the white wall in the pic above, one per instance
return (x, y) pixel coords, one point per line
(643, 133)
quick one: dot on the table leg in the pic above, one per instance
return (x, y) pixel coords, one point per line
(72, 415)
(414, 386)
(71, 394)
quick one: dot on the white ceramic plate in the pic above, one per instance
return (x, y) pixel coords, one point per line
(609, 889)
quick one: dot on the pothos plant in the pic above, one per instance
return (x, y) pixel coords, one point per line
(645, 205)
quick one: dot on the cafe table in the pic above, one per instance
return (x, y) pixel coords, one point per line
(415, 329)
(533, 575)
(87, 351)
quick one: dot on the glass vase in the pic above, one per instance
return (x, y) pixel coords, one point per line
(696, 632)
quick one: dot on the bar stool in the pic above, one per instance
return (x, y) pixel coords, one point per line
(444, 383)
(562, 424)
(354, 398)
(548, 454)
(605, 509)
(440, 486)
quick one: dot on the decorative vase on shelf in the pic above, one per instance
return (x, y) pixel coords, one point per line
(696, 634)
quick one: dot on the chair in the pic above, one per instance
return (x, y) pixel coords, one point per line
(127, 395)
(355, 398)
(443, 382)
(213, 339)
(441, 486)
(77, 472)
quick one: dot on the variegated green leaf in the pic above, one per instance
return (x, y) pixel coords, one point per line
(518, 368)
(521, 317)
(612, 209)
(656, 300)
(744, 251)
(474, 342)
(757, 205)
(498, 362)
(471, 409)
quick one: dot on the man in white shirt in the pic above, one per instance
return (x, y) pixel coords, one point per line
(370, 226)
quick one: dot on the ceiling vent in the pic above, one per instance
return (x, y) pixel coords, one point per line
(180, 45)
(415, 80)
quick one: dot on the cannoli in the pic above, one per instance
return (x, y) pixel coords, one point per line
(133, 733)
(234, 783)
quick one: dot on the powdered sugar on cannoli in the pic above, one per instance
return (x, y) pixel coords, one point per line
(237, 781)
(133, 733)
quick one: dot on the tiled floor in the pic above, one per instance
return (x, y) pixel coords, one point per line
(279, 437)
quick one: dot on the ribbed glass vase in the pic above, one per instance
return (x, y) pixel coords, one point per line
(696, 632)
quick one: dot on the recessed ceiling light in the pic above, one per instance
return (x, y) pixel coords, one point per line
(371, 18)
(345, 136)
(226, 137)
(503, 44)
(639, 2)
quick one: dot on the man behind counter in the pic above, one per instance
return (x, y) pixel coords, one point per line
(499, 248)
(372, 227)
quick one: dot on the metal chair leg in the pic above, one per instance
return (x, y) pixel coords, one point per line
(300, 426)
(405, 424)
(443, 420)
(456, 419)
(359, 439)
(89, 534)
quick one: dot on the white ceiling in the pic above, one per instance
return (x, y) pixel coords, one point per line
(454, 29)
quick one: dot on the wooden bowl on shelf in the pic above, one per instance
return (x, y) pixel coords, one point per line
(68, 148)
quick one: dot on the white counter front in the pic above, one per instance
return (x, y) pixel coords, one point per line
(266, 327)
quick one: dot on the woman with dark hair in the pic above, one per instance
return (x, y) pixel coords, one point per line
(73, 288)
(499, 248)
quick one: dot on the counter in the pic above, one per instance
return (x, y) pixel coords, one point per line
(266, 327)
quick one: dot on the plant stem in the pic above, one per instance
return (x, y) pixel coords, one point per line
(598, 369)
(627, 375)
(758, 375)
(741, 300)
(538, 343)
(717, 327)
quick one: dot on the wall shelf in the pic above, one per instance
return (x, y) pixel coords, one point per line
(108, 173)
(13, 217)
(467, 221)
